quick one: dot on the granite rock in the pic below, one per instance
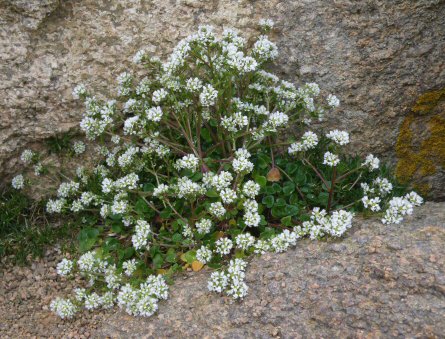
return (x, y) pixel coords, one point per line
(377, 56)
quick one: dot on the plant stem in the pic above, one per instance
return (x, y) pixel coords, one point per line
(331, 189)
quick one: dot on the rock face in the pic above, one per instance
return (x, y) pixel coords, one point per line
(377, 56)
(380, 281)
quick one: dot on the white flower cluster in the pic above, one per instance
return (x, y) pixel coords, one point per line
(230, 281)
(189, 161)
(64, 267)
(401, 206)
(18, 182)
(140, 236)
(204, 254)
(308, 141)
(64, 308)
(208, 95)
(339, 137)
(27, 156)
(79, 147)
(322, 224)
(241, 163)
(331, 159)
(371, 162)
(143, 301)
(203, 226)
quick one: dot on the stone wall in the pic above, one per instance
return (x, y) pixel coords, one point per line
(378, 56)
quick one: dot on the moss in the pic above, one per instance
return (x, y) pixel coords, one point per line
(424, 160)
(428, 101)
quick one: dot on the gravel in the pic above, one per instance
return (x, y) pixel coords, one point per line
(379, 281)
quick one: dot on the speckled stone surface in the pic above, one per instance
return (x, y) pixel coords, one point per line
(379, 281)
(378, 56)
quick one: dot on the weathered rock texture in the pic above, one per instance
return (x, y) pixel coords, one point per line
(380, 281)
(377, 55)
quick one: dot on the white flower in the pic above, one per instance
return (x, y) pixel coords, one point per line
(372, 204)
(55, 206)
(308, 141)
(228, 195)
(242, 165)
(193, 85)
(27, 156)
(218, 282)
(223, 246)
(261, 247)
(333, 101)
(154, 114)
(414, 198)
(189, 161)
(18, 182)
(140, 236)
(371, 162)
(204, 254)
(79, 147)
(129, 267)
(217, 209)
(266, 23)
(92, 301)
(251, 189)
(64, 267)
(251, 219)
(383, 185)
(79, 91)
(139, 56)
(64, 308)
(264, 49)
(160, 190)
(203, 226)
(244, 241)
(67, 189)
(331, 159)
(38, 169)
(159, 95)
(208, 95)
(398, 207)
(339, 137)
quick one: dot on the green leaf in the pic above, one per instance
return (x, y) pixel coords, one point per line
(166, 213)
(158, 261)
(190, 256)
(177, 237)
(87, 238)
(171, 255)
(288, 188)
(261, 180)
(148, 187)
(116, 228)
(279, 211)
(291, 210)
(280, 202)
(268, 201)
(212, 193)
(286, 221)
(141, 207)
(276, 188)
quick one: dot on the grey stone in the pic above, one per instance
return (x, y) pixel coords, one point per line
(376, 55)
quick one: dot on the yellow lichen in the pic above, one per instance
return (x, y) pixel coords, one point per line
(427, 102)
(418, 161)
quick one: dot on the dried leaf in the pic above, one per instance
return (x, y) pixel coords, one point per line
(197, 266)
(274, 175)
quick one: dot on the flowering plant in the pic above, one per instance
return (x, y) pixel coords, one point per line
(198, 166)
